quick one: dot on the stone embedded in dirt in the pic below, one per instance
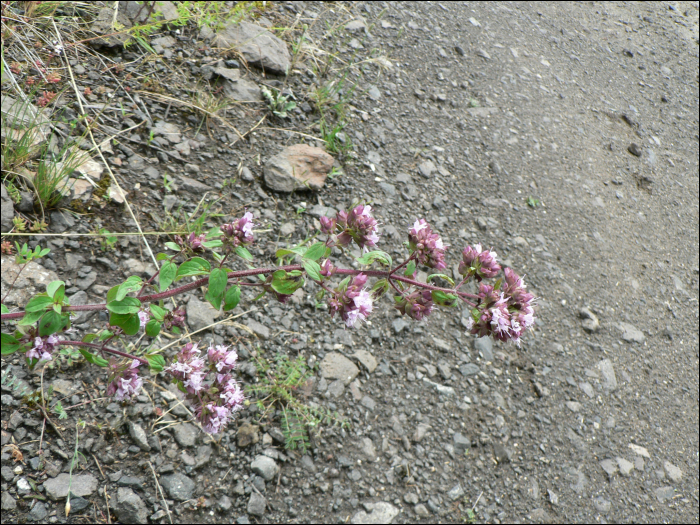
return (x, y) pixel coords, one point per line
(426, 168)
(640, 450)
(256, 504)
(32, 279)
(185, 434)
(635, 150)
(673, 472)
(178, 486)
(138, 436)
(265, 467)
(626, 467)
(130, 508)
(193, 186)
(7, 211)
(609, 466)
(298, 167)
(664, 493)
(200, 314)
(461, 443)
(606, 370)
(484, 348)
(242, 90)
(367, 360)
(380, 512)
(259, 329)
(81, 485)
(337, 366)
(257, 45)
(590, 320)
(630, 333)
(247, 435)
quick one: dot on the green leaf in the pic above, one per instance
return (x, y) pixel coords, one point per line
(128, 305)
(50, 323)
(105, 334)
(283, 252)
(498, 283)
(157, 312)
(162, 257)
(112, 293)
(444, 299)
(410, 269)
(30, 318)
(53, 286)
(370, 257)
(5, 309)
(167, 275)
(130, 323)
(152, 328)
(217, 282)
(232, 297)
(215, 301)
(132, 284)
(195, 266)
(214, 232)
(173, 246)
(39, 303)
(59, 295)
(244, 254)
(315, 252)
(156, 362)
(320, 294)
(286, 282)
(380, 288)
(9, 344)
(441, 276)
(92, 358)
(89, 338)
(313, 270)
(212, 244)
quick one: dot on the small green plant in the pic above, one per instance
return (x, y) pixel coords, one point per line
(19, 223)
(279, 385)
(10, 381)
(278, 103)
(300, 210)
(474, 103)
(107, 241)
(38, 226)
(13, 192)
(335, 138)
(195, 222)
(532, 202)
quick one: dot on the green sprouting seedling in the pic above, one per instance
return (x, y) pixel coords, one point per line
(474, 103)
(107, 241)
(19, 224)
(532, 202)
(25, 254)
(300, 210)
(278, 103)
(278, 387)
(13, 192)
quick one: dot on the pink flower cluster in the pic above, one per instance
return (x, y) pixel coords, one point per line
(416, 305)
(239, 232)
(124, 382)
(358, 226)
(426, 245)
(191, 243)
(478, 263)
(174, 318)
(504, 314)
(215, 402)
(351, 300)
(43, 348)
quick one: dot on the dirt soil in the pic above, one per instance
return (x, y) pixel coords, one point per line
(563, 135)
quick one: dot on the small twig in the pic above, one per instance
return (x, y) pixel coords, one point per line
(165, 503)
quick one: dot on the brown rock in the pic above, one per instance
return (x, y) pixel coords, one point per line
(298, 167)
(248, 435)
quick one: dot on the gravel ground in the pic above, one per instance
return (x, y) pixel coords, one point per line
(565, 136)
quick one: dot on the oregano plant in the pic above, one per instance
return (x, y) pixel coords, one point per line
(502, 308)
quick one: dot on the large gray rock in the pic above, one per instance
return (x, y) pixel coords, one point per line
(630, 333)
(200, 314)
(8, 211)
(178, 486)
(32, 280)
(257, 45)
(337, 366)
(81, 485)
(381, 512)
(265, 467)
(298, 167)
(130, 508)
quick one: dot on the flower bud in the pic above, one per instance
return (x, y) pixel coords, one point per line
(327, 225)
(327, 268)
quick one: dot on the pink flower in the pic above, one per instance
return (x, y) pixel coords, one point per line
(358, 226)
(479, 263)
(239, 232)
(125, 382)
(351, 301)
(43, 348)
(144, 317)
(327, 268)
(193, 243)
(417, 305)
(426, 245)
(327, 225)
